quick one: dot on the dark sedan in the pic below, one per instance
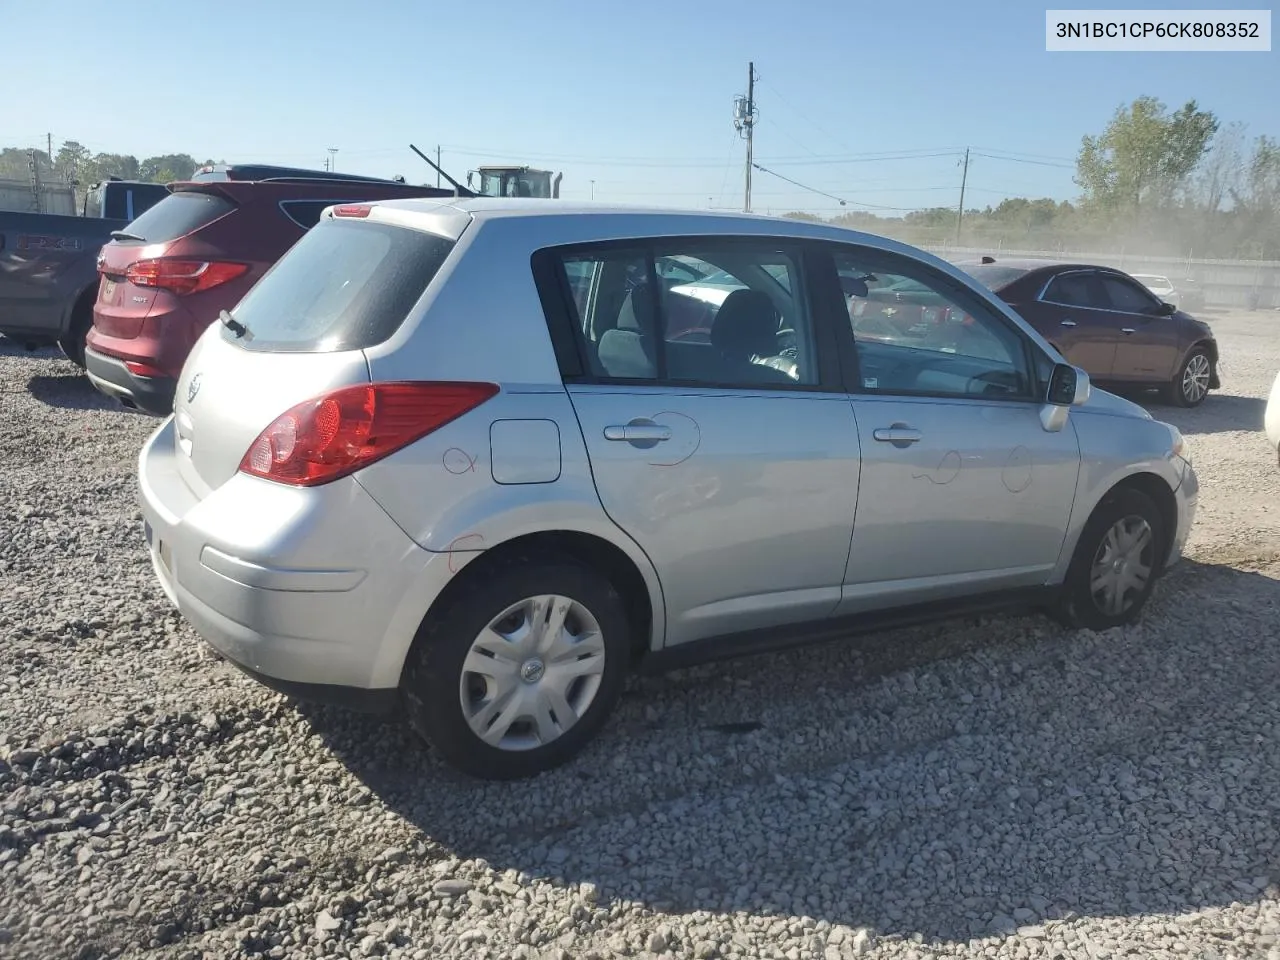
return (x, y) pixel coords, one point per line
(1109, 324)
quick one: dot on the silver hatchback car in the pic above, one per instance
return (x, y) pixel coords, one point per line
(482, 458)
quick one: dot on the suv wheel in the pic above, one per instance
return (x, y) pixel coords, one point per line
(1116, 563)
(520, 669)
(1191, 385)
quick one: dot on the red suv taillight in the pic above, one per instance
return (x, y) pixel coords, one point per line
(183, 276)
(330, 436)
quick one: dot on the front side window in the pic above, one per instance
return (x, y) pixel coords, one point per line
(914, 334)
(706, 312)
(1078, 289)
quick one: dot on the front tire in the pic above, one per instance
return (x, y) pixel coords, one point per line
(520, 669)
(1191, 385)
(1116, 562)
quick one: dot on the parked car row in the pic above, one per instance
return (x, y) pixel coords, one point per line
(48, 275)
(479, 459)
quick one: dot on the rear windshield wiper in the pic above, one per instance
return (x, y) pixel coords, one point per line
(234, 325)
(126, 235)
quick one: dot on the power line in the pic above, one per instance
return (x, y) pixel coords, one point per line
(1038, 163)
(831, 196)
(1033, 156)
(802, 162)
(805, 117)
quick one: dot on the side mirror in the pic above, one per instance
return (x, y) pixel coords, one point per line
(1068, 386)
(1166, 309)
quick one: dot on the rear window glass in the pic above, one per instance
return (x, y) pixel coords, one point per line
(178, 215)
(346, 285)
(991, 276)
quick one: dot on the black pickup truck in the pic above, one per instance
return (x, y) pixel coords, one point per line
(49, 264)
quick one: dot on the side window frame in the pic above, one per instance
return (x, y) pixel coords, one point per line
(559, 308)
(958, 293)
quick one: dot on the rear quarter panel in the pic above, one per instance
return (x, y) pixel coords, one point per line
(481, 319)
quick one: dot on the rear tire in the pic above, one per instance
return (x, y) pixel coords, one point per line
(73, 342)
(1191, 385)
(1116, 563)
(486, 664)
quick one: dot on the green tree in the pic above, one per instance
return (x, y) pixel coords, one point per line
(74, 162)
(119, 165)
(167, 167)
(1144, 156)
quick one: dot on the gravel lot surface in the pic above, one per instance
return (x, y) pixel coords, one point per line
(993, 787)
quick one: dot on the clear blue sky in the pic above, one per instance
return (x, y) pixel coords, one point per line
(637, 96)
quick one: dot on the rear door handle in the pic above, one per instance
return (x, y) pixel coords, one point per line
(1068, 323)
(1127, 330)
(638, 431)
(900, 435)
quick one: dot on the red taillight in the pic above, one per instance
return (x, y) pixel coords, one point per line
(328, 437)
(360, 210)
(183, 276)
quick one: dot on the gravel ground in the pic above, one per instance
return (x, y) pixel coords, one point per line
(993, 787)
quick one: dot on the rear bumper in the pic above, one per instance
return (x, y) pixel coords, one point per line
(313, 591)
(109, 375)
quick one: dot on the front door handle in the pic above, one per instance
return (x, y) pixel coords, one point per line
(1068, 323)
(638, 432)
(1127, 330)
(900, 435)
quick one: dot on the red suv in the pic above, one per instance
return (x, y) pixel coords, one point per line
(168, 276)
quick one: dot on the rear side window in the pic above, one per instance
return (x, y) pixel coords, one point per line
(178, 215)
(345, 285)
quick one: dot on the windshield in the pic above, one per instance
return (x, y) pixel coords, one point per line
(515, 183)
(345, 285)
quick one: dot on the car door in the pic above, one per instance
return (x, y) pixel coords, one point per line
(1072, 312)
(733, 463)
(962, 489)
(1148, 346)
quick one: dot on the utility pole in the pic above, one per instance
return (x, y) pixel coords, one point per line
(593, 189)
(744, 120)
(49, 151)
(437, 164)
(333, 160)
(964, 177)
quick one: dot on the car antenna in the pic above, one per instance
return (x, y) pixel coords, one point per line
(458, 189)
(988, 259)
